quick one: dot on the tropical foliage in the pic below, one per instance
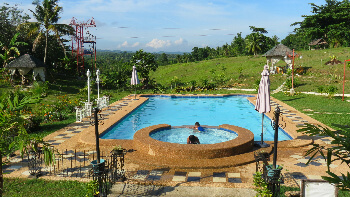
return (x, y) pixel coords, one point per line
(11, 123)
(339, 151)
(10, 50)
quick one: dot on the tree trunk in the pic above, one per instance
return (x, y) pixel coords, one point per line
(1, 178)
(47, 34)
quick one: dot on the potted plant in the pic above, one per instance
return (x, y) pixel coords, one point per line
(261, 155)
(118, 150)
(272, 173)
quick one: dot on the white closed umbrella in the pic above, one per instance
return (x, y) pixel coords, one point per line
(134, 78)
(263, 99)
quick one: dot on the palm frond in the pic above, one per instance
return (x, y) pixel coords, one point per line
(38, 40)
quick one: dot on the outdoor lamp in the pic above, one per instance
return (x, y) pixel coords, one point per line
(98, 83)
(88, 75)
(97, 75)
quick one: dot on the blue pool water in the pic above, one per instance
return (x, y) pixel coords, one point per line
(180, 135)
(233, 110)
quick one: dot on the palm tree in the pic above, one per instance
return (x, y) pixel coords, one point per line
(9, 48)
(253, 43)
(47, 15)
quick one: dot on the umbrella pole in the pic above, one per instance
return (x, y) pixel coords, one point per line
(135, 92)
(262, 129)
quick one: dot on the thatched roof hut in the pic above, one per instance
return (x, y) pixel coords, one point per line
(26, 63)
(317, 43)
(278, 50)
(277, 53)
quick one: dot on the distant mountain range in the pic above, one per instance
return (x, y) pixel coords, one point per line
(119, 51)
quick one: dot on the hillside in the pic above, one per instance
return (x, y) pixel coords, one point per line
(243, 72)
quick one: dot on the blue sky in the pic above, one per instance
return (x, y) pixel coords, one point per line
(178, 25)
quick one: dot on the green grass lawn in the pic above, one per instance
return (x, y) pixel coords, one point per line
(43, 188)
(321, 104)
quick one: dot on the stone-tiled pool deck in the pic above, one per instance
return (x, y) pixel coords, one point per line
(234, 171)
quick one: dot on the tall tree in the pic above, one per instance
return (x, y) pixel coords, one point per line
(296, 41)
(238, 44)
(10, 18)
(253, 43)
(144, 62)
(329, 21)
(163, 59)
(258, 30)
(47, 16)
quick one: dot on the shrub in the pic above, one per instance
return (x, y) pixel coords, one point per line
(175, 82)
(256, 84)
(39, 88)
(32, 123)
(331, 90)
(193, 84)
(321, 89)
(288, 83)
(261, 186)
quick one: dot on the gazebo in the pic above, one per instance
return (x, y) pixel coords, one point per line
(26, 63)
(317, 43)
(277, 53)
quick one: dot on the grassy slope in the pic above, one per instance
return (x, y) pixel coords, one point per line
(318, 73)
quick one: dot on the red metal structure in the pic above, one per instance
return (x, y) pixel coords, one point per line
(344, 78)
(293, 57)
(79, 39)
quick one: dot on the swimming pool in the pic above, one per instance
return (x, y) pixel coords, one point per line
(208, 136)
(178, 111)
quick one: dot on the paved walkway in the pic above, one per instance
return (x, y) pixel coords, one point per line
(155, 190)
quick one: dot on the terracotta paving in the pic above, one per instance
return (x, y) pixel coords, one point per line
(78, 137)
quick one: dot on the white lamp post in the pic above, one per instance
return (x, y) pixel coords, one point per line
(98, 83)
(88, 82)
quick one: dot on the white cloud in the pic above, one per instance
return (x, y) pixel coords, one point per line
(179, 42)
(156, 43)
(136, 44)
(125, 44)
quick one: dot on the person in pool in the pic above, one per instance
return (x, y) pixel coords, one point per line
(192, 140)
(198, 127)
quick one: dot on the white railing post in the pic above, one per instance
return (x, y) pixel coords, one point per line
(88, 108)
(78, 114)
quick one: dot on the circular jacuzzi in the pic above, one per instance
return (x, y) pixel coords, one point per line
(179, 135)
(145, 144)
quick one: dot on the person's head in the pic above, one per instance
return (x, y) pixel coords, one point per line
(197, 124)
(192, 138)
